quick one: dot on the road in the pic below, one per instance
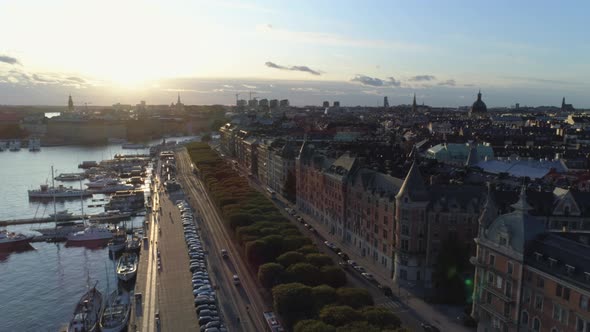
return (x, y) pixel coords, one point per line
(245, 301)
(150, 292)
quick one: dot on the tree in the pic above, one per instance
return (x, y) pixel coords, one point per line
(319, 260)
(354, 297)
(323, 295)
(312, 325)
(240, 219)
(308, 249)
(289, 258)
(270, 274)
(291, 187)
(381, 317)
(451, 264)
(339, 315)
(291, 301)
(294, 242)
(333, 275)
(256, 252)
(304, 273)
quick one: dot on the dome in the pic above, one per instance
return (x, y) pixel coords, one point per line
(479, 106)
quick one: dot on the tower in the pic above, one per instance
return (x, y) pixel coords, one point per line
(70, 104)
(414, 106)
(563, 103)
(178, 101)
(385, 102)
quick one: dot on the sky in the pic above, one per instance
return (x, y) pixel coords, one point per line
(356, 52)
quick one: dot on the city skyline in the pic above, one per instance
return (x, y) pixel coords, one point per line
(307, 52)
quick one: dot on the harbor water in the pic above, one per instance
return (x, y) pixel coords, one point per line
(40, 287)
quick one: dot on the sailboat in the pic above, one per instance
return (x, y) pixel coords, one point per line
(91, 234)
(86, 316)
(115, 315)
(127, 266)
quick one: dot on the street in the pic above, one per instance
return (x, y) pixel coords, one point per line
(244, 301)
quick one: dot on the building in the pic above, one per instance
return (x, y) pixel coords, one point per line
(253, 103)
(263, 103)
(385, 102)
(528, 279)
(70, 104)
(479, 107)
(457, 154)
(284, 103)
(274, 104)
(336, 104)
(566, 107)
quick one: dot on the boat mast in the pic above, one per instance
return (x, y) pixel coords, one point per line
(82, 203)
(54, 193)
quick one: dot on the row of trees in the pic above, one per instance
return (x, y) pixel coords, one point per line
(307, 286)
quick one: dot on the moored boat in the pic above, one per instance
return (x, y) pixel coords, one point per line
(127, 266)
(70, 177)
(90, 234)
(115, 315)
(86, 316)
(10, 240)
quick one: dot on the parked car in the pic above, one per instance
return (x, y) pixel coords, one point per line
(224, 253)
(430, 328)
(386, 290)
(236, 279)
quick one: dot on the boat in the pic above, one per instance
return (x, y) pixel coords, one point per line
(110, 216)
(86, 316)
(61, 215)
(70, 177)
(60, 191)
(127, 266)
(61, 229)
(118, 242)
(11, 240)
(14, 145)
(3, 146)
(134, 244)
(109, 189)
(34, 144)
(88, 164)
(117, 310)
(126, 200)
(101, 183)
(134, 146)
(91, 233)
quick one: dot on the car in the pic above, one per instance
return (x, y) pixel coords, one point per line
(343, 256)
(204, 320)
(359, 269)
(207, 312)
(351, 263)
(300, 219)
(306, 225)
(368, 276)
(343, 265)
(224, 253)
(205, 307)
(386, 290)
(467, 320)
(330, 245)
(429, 328)
(236, 279)
(157, 318)
(211, 325)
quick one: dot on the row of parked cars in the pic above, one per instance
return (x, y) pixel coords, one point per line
(203, 291)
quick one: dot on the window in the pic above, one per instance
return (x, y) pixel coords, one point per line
(385, 234)
(539, 301)
(492, 260)
(499, 282)
(524, 318)
(503, 240)
(509, 268)
(582, 325)
(490, 278)
(506, 309)
(508, 291)
(562, 292)
(560, 313)
(540, 282)
(527, 296)
(405, 229)
(528, 275)
(584, 302)
(405, 244)
(385, 221)
(536, 324)
(489, 298)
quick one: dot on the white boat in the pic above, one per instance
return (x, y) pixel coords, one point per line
(101, 183)
(14, 145)
(70, 177)
(118, 242)
(34, 144)
(115, 315)
(3, 146)
(110, 216)
(109, 189)
(91, 233)
(62, 229)
(127, 266)
(87, 313)
(60, 215)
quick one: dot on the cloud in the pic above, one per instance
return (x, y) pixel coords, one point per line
(249, 86)
(76, 79)
(9, 60)
(305, 69)
(538, 80)
(421, 78)
(374, 81)
(450, 82)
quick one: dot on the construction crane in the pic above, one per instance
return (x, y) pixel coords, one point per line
(252, 92)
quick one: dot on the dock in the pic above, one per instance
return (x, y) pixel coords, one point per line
(89, 217)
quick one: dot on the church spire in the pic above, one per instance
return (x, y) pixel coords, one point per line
(414, 185)
(479, 95)
(414, 106)
(70, 103)
(178, 101)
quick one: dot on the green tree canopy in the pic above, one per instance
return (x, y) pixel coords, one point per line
(339, 315)
(270, 274)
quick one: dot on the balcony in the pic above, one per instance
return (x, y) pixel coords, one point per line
(497, 292)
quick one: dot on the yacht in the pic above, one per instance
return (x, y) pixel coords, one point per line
(110, 216)
(134, 146)
(61, 229)
(127, 266)
(70, 177)
(58, 192)
(91, 233)
(134, 244)
(115, 315)
(3, 146)
(10, 240)
(87, 313)
(61, 215)
(101, 183)
(109, 189)
(34, 144)
(118, 242)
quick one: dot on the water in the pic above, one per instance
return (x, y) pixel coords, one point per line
(39, 288)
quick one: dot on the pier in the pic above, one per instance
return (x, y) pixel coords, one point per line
(89, 217)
